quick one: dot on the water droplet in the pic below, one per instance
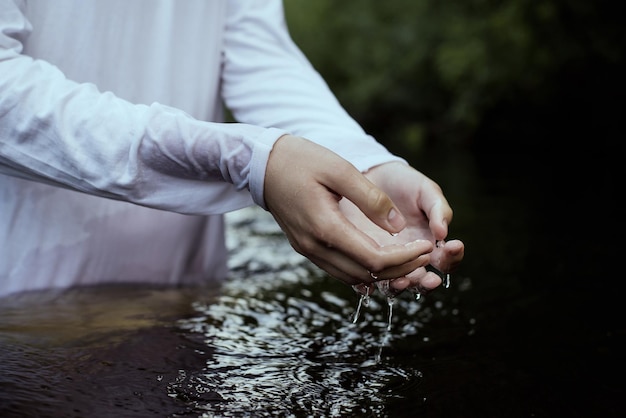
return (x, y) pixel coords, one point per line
(415, 291)
(364, 291)
(390, 301)
(446, 280)
(357, 313)
(379, 355)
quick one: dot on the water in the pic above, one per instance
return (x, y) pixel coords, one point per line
(530, 326)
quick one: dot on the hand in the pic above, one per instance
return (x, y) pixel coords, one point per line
(304, 184)
(427, 214)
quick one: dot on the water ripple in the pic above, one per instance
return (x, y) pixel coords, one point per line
(290, 356)
(282, 341)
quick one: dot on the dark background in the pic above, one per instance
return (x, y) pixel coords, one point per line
(508, 75)
(528, 91)
(516, 108)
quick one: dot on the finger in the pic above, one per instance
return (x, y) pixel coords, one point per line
(337, 273)
(337, 246)
(448, 255)
(346, 268)
(437, 209)
(372, 201)
(340, 234)
(401, 271)
(354, 250)
(418, 281)
(444, 260)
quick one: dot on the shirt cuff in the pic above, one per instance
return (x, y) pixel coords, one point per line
(260, 155)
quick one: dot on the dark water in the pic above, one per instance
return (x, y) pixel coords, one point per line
(531, 325)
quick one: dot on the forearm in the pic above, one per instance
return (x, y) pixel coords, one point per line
(72, 135)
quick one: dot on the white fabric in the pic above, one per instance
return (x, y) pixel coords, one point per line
(113, 163)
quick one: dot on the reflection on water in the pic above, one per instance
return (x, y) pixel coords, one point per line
(525, 329)
(283, 341)
(92, 352)
(277, 339)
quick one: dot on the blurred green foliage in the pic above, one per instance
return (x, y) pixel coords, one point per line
(414, 70)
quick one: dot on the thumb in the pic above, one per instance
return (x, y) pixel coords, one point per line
(371, 200)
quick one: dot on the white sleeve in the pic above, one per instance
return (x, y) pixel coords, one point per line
(72, 135)
(267, 81)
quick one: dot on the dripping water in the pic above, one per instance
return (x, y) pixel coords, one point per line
(364, 291)
(390, 301)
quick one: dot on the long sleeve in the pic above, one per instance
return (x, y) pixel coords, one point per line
(58, 131)
(267, 81)
(110, 133)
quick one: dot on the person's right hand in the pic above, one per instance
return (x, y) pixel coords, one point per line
(304, 183)
(427, 214)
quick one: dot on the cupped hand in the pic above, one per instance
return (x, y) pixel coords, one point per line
(304, 185)
(427, 214)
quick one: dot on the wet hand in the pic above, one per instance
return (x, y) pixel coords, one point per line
(427, 214)
(304, 185)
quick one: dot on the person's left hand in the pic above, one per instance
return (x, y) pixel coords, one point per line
(304, 183)
(428, 214)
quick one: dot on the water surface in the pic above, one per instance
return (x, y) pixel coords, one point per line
(530, 326)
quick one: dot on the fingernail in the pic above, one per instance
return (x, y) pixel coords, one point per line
(396, 219)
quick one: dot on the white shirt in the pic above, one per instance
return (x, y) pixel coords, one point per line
(114, 165)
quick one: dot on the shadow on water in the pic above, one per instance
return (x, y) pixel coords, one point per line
(530, 326)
